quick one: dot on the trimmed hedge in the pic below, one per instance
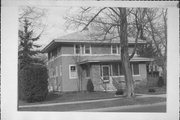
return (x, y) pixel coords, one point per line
(33, 83)
(90, 87)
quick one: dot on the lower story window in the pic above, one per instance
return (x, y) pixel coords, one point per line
(135, 68)
(121, 69)
(72, 71)
(115, 70)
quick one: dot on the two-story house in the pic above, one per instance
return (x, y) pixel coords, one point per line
(75, 58)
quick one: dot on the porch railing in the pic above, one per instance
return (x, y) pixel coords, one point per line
(108, 86)
(104, 85)
(116, 84)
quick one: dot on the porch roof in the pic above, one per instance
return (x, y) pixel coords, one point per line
(111, 58)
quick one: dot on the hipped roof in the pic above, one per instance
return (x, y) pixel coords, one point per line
(88, 38)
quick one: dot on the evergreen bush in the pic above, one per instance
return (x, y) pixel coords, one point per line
(119, 92)
(90, 86)
(151, 90)
(160, 82)
(33, 84)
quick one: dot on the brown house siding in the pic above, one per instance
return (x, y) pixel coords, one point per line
(67, 49)
(95, 76)
(101, 49)
(68, 84)
(84, 79)
(53, 65)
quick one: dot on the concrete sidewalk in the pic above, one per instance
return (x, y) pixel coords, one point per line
(67, 103)
(88, 101)
(146, 95)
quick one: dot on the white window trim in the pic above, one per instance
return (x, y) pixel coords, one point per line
(116, 50)
(70, 77)
(75, 49)
(89, 50)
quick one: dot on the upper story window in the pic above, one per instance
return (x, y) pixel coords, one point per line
(59, 50)
(77, 49)
(52, 54)
(114, 49)
(87, 49)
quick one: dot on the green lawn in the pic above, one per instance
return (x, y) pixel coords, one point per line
(72, 96)
(81, 96)
(100, 104)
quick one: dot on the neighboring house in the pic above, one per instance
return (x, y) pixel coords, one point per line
(75, 58)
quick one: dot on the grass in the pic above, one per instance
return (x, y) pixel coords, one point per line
(80, 96)
(145, 90)
(101, 104)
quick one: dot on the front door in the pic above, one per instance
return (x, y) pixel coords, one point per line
(105, 73)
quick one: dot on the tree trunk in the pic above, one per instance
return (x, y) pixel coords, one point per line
(125, 54)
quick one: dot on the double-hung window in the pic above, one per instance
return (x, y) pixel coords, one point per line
(114, 49)
(87, 49)
(72, 71)
(121, 69)
(115, 69)
(77, 49)
(135, 69)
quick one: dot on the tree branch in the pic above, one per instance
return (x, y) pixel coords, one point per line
(93, 18)
(114, 11)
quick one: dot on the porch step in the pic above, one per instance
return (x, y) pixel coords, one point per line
(107, 87)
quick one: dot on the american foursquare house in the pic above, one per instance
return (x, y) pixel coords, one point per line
(75, 58)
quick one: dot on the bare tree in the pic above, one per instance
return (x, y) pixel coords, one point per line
(108, 24)
(158, 33)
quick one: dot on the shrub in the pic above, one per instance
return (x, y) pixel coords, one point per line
(160, 82)
(33, 84)
(120, 92)
(151, 90)
(90, 87)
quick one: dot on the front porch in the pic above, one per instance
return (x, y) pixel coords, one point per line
(109, 76)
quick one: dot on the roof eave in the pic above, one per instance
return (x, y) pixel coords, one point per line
(45, 49)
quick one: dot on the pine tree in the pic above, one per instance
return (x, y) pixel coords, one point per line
(27, 47)
(147, 50)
